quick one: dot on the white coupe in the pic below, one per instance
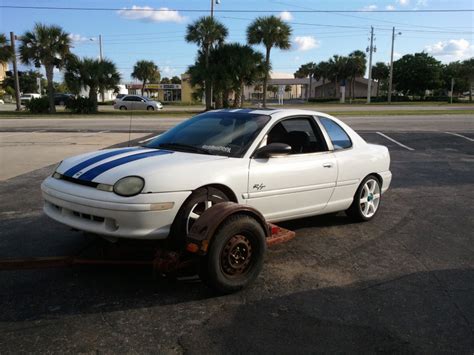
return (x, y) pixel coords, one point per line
(286, 163)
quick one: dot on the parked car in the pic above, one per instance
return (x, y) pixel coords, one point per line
(24, 98)
(134, 102)
(62, 99)
(286, 163)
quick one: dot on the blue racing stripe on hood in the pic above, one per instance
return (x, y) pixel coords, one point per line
(99, 169)
(75, 169)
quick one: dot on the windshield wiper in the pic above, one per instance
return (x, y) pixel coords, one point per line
(184, 147)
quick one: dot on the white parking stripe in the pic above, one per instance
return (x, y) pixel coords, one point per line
(460, 135)
(394, 141)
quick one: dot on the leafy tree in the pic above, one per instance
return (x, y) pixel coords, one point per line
(416, 73)
(175, 80)
(165, 80)
(380, 72)
(356, 66)
(270, 31)
(454, 70)
(468, 72)
(307, 70)
(48, 46)
(6, 52)
(27, 79)
(206, 32)
(145, 71)
(97, 75)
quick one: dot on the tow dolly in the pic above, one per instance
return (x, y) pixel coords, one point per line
(225, 247)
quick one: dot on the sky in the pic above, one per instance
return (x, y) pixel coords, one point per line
(129, 36)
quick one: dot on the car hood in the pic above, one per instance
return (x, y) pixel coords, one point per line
(158, 167)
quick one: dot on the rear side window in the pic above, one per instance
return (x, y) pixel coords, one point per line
(339, 138)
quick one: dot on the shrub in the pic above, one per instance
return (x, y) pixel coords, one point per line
(81, 105)
(39, 105)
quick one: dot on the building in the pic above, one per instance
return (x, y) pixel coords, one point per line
(3, 71)
(165, 92)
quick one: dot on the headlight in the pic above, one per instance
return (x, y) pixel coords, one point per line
(58, 176)
(129, 186)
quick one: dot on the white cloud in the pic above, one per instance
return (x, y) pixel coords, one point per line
(403, 2)
(148, 14)
(369, 8)
(421, 3)
(305, 43)
(75, 37)
(286, 16)
(167, 71)
(390, 7)
(454, 49)
(397, 54)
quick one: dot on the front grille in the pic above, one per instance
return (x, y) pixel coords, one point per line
(79, 181)
(88, 216)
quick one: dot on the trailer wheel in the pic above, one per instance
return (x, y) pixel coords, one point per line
(236, 254)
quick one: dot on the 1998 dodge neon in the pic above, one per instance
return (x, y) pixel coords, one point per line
(285, 163)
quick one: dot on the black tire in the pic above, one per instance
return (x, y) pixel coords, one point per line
(150, 108)
(123, 108)
(355, 211)
(236, 254)
(198, 198)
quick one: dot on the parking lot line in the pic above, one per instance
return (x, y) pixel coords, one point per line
(394, 141)
(460, 135)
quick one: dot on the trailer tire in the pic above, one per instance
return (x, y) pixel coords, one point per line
(236, 254)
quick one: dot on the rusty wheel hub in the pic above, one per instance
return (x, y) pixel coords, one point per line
(236, 256)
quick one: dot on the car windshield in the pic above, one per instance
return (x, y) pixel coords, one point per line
(217, 133)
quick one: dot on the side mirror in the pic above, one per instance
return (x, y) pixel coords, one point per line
(272, 150)
(143, 100)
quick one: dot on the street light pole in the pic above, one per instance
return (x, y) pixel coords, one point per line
(390, 82)
(212, 8)
(15, 72)
(371, 50)
(100, 48)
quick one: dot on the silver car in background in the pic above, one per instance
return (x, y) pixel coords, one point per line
(135, 102)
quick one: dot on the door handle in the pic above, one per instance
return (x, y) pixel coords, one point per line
(327, 165)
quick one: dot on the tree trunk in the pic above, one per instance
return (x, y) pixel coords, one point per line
(310, 86)
(241, 95)
(265, 79)
(378, 88)
(323, 87)
(93, 96)
(336, 88)
(49, 76)
(143, 87)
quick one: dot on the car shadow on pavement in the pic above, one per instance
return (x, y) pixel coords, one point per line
(423, 312)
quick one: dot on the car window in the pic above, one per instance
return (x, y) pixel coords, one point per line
(299, 133)
(128, 98)
(218, 133)
(339, 138)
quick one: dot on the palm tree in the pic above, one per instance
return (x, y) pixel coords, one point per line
(305, 71)
(6, 52)
(97, 75)
(338, 71)
(356, 63)
(145, 70)
(48, 46)
(206, 32)
(324, 70)
(270, 31)
(380, 72)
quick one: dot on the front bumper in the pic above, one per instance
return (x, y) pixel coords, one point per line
(104, 213)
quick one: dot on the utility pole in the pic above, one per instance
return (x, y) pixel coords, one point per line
(100, 48)
(452, 89)
(212, 8)
(15, 72)
(371, 50)
(390, 82)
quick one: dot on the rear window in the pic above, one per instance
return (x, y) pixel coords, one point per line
(339, 138)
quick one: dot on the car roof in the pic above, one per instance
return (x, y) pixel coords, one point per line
(272, 111)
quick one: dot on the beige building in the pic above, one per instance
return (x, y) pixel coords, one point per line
(3, 71)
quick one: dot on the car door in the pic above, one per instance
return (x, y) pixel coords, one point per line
(298, 184)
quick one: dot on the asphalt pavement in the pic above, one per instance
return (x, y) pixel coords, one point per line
(401, 283)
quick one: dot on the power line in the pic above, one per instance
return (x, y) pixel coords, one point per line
(229, 10)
